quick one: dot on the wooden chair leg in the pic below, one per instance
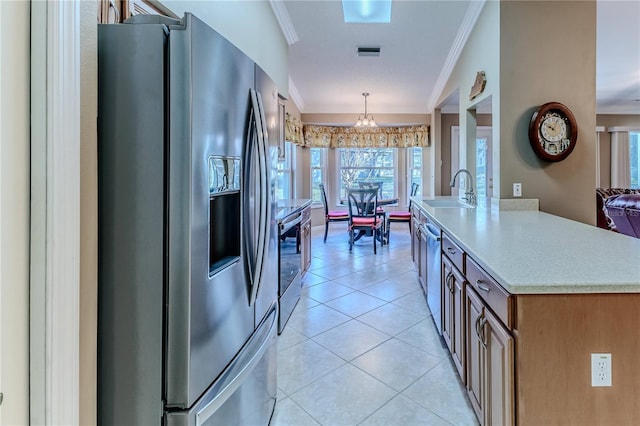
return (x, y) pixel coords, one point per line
(326, 229)
(374, 241)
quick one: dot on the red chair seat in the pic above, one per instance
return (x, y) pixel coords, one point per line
(400, 215)
(336, 214)
(365, 221)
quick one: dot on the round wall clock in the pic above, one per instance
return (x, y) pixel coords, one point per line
(553, 131)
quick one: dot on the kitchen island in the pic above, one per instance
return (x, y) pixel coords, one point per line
(527, 298)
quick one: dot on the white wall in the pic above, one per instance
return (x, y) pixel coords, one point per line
(251, 26)
(14, 211)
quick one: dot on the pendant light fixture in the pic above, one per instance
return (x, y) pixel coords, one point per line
(365, 120)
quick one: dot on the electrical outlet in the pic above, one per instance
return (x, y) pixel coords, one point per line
(600, 370)
(517, 190)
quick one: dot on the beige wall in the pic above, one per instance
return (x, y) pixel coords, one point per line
(611, 120)
(14, 211)
(539, 66)
(527, 65)
(88, 211)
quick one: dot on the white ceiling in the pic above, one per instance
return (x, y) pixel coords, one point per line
(418, 50)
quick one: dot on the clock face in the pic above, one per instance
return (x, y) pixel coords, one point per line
(553, 131)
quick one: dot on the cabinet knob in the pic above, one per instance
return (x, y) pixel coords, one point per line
(451, 251)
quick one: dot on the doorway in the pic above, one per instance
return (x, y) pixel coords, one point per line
(483, 169)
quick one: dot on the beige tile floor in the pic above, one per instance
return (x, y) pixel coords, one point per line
(361, 347)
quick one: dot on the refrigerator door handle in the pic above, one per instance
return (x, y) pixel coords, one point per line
(249, 217)
(256, 267)
(264, 188)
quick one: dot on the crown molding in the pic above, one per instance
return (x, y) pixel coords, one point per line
(282, 15)
(468, 23)
(294, 95)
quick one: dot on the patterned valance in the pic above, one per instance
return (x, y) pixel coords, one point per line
(293, 130)
(357, 137)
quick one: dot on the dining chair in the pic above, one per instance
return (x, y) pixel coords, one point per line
(363, 215)
(382, 214)
(402, 216)
(331, 215)
(371, 184)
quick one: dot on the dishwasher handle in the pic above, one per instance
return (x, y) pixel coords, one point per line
(432, 232)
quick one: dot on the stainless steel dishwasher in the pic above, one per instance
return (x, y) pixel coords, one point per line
(433, 278)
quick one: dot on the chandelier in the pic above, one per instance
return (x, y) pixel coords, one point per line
(365, 120)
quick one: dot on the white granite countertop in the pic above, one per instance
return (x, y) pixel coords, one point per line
(531, 252)
(285, 208)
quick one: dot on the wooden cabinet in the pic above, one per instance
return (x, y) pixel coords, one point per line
(490, 363)
(490, 347)
(305, 239)
(453, 314)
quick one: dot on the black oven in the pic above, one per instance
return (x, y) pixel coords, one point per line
(290, 263)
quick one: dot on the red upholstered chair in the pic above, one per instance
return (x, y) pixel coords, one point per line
(363, 215)
(403, 216)
(331, 215)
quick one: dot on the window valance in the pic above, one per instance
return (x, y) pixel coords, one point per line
(293, 130)
(355, 137)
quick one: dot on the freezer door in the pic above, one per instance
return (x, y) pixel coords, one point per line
(268, 95)
(209, 317)
(245, 394)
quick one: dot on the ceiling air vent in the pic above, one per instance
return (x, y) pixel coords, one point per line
(368, 51)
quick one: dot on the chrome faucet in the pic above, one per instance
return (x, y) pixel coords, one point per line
(469, 195)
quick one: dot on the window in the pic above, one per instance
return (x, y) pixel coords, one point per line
(367, 164)
(284, 174)
(634, 157)
(414, 166)
(318, 172)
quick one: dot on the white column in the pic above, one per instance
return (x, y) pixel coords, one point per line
(55, 212)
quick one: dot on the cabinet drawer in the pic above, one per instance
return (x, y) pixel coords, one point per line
(453, 252)
(415, 212)
(500, 302)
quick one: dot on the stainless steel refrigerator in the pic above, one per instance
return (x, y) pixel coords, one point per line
(187, 290)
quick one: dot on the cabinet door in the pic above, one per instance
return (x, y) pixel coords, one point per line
(447, 302)
(423, 261)
(457, 308)
(499, 407)
(475, 352)
(415, 245)
(305, 235)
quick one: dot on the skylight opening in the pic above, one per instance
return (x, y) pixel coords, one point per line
(367, 11)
